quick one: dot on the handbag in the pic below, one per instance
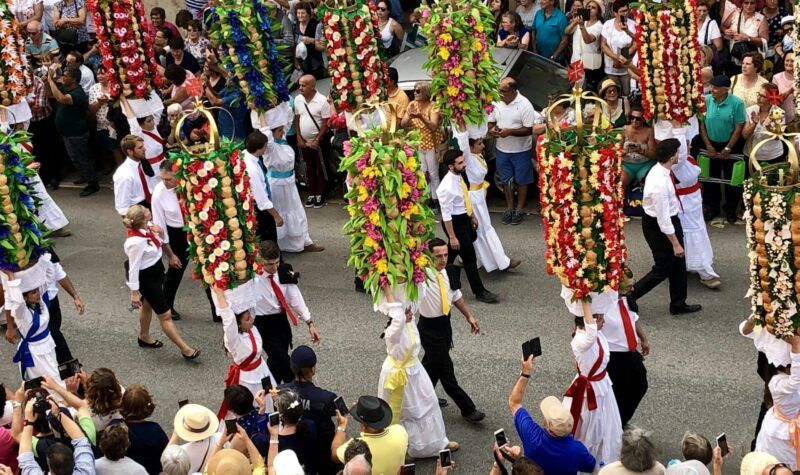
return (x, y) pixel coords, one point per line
(719, 57)
(633, 200)
(740, 48)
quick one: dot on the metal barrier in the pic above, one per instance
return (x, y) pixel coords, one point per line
(737, 174)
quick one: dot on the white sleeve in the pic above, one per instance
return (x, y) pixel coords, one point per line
(58, 271)
(582, 341)
(326, 110)
(122, 194)
(792, 383)
(445, 203)
(160, 217)
(136, 129)
(295, 300)
(12, 294)
(134, 250)
(662, 211)
(229, 326)
(713, 31)
(398, 315)
(529, 116)
(258, 187)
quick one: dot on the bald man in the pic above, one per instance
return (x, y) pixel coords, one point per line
(39, 43)
(311, 113)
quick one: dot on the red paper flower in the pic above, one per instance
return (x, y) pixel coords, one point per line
(575, 71)
(194, 86)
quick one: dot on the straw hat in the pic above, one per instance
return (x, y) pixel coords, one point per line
(755, 462)
(605, 85)
(229, 462)
(194, 422)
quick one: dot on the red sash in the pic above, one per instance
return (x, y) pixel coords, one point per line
(252, 362)
(160, 141)
(688, 190)
(582, 387)
(282, 300)
(150, 236)
(627, 324)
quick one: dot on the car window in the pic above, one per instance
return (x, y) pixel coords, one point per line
(537, 78)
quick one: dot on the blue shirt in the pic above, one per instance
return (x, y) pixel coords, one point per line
(82, 453)
(549, 31)
(722, 117)
(232, 126)
(556, 455)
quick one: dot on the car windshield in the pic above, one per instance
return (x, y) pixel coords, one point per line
(537, 78)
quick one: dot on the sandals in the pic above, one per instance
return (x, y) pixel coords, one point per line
(194, 355)
(155, 344)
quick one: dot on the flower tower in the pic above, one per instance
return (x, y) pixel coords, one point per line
(215, 198)
(582, 199)
(772, 203)
(126, 47)
(15, 79)
(358, 72)
(22, 236)
(243, 30)
(389, 226)
(669, 60)
(464, 77)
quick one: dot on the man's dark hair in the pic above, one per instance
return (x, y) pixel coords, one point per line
(302, 373)
(176, 42)
(74, 73)
(239, 399)
(255, 141)
(166, 32)
(451, 156)
(619, 4)
(77, 55)
(114, 442)
(183, 17)
(357, 447)
(166, 166)
(472, 141)
(436, 242)
(60, 459)
(526, 466)
(158, 11)
(393, 76)
(175, 73)
(269, 250)
(666, 149)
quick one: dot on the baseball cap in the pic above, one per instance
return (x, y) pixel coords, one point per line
(558, 417)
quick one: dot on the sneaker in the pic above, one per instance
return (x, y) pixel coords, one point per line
(310, 201)
(517, 216)
(475, 416)
(90, 189)
(713, 283)
(507, 216)
(319, 202)
(453, 446)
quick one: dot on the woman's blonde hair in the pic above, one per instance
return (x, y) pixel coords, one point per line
(425, 88)
(135, 217)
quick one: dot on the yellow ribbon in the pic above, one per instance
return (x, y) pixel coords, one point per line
(578, 95)
(387, 112)
(398, 378)
(443, 293)
(480, 186)
(465, 193)
(777, 134)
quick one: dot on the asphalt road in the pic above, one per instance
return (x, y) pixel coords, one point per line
(701, 372)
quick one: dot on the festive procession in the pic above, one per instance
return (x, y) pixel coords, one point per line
(326, 171)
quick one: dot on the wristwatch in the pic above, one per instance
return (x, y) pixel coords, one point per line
(726, 149)
(523, 375)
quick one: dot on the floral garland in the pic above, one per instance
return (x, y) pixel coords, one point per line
(582, 208)
(465, 78)
(773, 241)
(125, 47)
(357, 69)
(215, 197)
(22, 236)
(15, 79)
(669, 60)
(389, 227)
(245, 29)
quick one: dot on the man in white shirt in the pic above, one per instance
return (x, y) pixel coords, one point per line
(75, 60)
(311, 113)
(459, 222)
(662, 231)
(437, 297)
(511, 122)
(131, 186)
(279, 301)
(267, 217)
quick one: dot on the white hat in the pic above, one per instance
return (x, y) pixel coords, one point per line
(787, 19)
(35, 276)
(286, 463)
(600, 302)
(477, 131)
(277, 117)
(194, 422)
(689, 467)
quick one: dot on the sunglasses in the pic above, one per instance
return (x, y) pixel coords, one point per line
(383, 9)
(636, 117)
(775, 468)
(504, 90)
(417, 91)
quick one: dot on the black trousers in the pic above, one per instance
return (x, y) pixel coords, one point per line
(172, 278)
(462, 227)
(712, 194)
(265, 226)
(276, 337)
(666, 265)
(46, 149)
(436, 336)
(629, 377)
(63, 354)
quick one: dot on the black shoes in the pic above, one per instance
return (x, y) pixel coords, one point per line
(175, 315)
(443, 402)
(144, 344)
(685, 308)
(90, 189)
(486, 297)
(475, 417)
(193, 356)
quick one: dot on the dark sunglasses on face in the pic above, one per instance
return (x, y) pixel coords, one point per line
(383, 9)
(636, 117)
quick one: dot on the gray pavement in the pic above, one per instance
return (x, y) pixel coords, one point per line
(701, 372)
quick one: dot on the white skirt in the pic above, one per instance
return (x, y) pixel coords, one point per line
(44, 361)
(600, 430)
(697, 245)
(488, 247)
(293, 235)
(48, 211)
(774, 439)
(420, 414)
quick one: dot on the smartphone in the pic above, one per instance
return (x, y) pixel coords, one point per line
(500, 437)
(584, 13)
(340, 405)
(532, 347)
(182, 403)
(722, 443)
(266, 383)
(274, 419)
(230, 426)
(34, 383)
(69, 368)
(408, 469)
(444, 458)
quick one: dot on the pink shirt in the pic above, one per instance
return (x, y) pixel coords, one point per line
(8, 450)
(785, 83)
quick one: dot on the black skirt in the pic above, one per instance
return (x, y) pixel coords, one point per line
(151, 286)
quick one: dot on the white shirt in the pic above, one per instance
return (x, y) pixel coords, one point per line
(239, 347)
(589, 53)
(660, 200)
(430, 298)
(519, 113)
(267, 303)
(24, 9)
(614, 327)
(128, 189)
(616, 40)
(200, 452)
(451, 196)
(123, 466)
(142, 254)
(153, 149)
(166, 210)
(258, 183)
(58, 274)
(320, 109)
(713, 32)
(527, 17)
(87, 78)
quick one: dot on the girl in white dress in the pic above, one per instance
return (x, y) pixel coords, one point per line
(488, 247)
(784, 414)
(405, 385)
(590, 397)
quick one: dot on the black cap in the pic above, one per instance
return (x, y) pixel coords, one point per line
(303, 357)
(720, 81)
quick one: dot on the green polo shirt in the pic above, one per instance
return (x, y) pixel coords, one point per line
(723, 117)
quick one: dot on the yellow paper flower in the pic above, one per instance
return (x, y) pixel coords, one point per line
(457, 71)
(374, 218)
(452, 91)
(411, 211)
(477, 45)
(405, 190)
(411, 243)
(446, 37)
(369, 242)
(363, 193)
(421, 261)
(382, 266)
(411, 164)
(444, 53)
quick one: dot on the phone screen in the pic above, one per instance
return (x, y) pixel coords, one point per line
(230, 426)
(274, 419)
(34, 383)
(266, 383)
(584, 12)
(500, 437)
(340, 405)
(722, 442)
(444, 458)
(183, 402)
(69, 368)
